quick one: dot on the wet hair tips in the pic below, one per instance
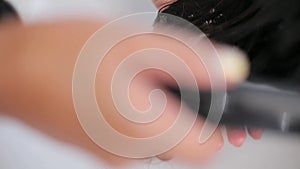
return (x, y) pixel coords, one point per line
(267, 30)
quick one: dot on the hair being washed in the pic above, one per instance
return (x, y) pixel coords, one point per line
(267, 30)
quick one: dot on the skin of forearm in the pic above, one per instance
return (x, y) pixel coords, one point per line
(37, 64)
(8, 44)
(38, 89)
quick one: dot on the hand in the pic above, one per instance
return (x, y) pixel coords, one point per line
(236, 136)
(39, 88)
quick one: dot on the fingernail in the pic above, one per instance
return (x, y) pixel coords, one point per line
(237, 137)
(256, 133)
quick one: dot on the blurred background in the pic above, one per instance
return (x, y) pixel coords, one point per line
(22, 147)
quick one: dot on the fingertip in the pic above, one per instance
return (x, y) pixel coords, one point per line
(236, 136)
(256, 134)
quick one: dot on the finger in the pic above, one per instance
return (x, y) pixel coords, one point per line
(191, 152)
(256, 133)
(211, 65)
(236, 136)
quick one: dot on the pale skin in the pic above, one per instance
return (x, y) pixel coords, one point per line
(37, 64)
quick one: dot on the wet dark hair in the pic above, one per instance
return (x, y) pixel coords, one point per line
(267, 30)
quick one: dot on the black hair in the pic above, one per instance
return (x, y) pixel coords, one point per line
(267, 30)
(7, 11)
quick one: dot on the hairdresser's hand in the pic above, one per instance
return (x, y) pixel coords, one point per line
(236, 136)
(36, 86)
